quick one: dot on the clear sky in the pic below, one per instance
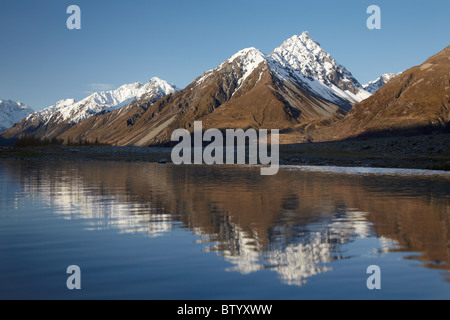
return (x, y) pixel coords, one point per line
(41, 61)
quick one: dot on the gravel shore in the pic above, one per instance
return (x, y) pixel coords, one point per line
(418, 152)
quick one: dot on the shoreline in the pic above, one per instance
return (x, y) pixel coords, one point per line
(420, 152)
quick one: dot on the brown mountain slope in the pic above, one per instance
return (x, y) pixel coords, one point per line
(272, 104)
(415, 101)
(37, 128)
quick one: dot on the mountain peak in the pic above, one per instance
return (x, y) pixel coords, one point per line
(308, 40)
(162, 84)
(306, 57)
(305, 34)
(251, 53)
(156, 87)
(302, 44)
(246, 59)
(156, 80)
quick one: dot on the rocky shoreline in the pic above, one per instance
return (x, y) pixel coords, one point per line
(419, 152)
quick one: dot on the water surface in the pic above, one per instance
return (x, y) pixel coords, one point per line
(151, 231)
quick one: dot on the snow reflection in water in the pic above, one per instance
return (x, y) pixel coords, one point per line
(295, 223)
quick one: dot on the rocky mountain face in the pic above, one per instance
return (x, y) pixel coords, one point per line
(376, 85)
(12, 112)
(416, 101)
(296, 86)
(56, 119)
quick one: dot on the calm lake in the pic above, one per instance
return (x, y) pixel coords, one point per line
(152, 231)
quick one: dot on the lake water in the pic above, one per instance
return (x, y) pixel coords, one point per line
(152, 231)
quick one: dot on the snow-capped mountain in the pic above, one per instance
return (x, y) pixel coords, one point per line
(376, 85)
(12, 112)
(301, 58)
(55, 120)
(69, 110)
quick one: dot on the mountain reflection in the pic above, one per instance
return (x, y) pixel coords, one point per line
(294, 223)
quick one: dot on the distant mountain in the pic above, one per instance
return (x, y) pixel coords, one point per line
(296, 86)
(414, 102)
(376, 85)
(12, 112)
(56, 119)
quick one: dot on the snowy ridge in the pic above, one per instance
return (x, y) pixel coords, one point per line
(69, 110)
(12, 112)
(376, 85)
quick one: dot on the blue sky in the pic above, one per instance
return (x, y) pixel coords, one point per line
(41, 61)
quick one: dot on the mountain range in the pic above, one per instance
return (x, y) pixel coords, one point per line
(54, 120)
(296, 85)
(299, 88)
